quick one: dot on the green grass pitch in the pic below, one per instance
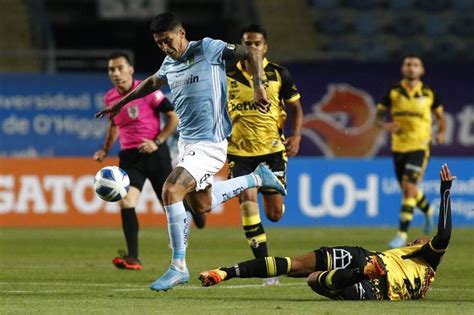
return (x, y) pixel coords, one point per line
(64, 271)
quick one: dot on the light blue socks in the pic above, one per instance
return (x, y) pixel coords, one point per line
(227, 189)
(178, 229)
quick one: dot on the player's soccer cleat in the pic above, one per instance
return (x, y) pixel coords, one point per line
(398, 241)
(429, 223)
(171, 278)
(268, 282)
(269, 180)
(212, 277)
(126, 262)
(198, 218)
(375, 268)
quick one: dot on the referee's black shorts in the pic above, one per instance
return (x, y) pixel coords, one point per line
(155, 166)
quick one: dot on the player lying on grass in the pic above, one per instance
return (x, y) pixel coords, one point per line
(355, 273)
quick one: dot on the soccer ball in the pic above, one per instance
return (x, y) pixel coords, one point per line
(111, 183)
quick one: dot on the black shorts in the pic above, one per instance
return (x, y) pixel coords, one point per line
(244, 165)
(155, 166)
(412, 164)
(349, 257)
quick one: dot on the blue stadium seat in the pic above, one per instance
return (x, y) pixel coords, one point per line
(373, 49)
(464, 25)
(433, 5)
(469, 51)
(367, 24)
(363, 4)
(325, 4)
(446, 49)
(437, 25)
(413, 46)
(401, 4)
(333, 24)
(462, 4)
(406, 25)
(340, 46)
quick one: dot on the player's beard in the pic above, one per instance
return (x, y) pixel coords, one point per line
(412, 77)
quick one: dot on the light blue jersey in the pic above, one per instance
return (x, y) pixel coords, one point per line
(199, 89)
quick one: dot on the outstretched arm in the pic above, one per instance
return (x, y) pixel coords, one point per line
(434, 250)
(147, 86)
(441, 239)
(252, 55)
(255, 59)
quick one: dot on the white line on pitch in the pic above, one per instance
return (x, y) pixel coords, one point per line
(236, 286)
(244, 286)
(138, 287)
(81, 284)
(132, 286)
(40, 291)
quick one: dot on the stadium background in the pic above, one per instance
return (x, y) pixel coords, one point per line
(342, 54)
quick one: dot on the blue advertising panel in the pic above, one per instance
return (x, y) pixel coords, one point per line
(365, 192)
(339, 102)
(51, 115)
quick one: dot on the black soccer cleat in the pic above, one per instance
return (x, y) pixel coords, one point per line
(199, 219)
(123, 261)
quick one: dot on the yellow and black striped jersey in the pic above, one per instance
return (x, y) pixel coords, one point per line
(255, 133)
(410, 270)
(411, 108)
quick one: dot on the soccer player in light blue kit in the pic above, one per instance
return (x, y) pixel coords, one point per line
(195, 73)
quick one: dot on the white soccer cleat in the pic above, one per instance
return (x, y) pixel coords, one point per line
(269, 180)
(171, 278)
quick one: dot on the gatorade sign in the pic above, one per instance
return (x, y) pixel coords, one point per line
(59, 192)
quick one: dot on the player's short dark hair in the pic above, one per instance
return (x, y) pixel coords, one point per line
(254, 28)
(120, 54)
(163, 22)
(412, 56)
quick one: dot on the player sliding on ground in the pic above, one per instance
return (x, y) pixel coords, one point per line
(195, 73)
(354, 273)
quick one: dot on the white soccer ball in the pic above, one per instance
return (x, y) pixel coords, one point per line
(111, 183)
